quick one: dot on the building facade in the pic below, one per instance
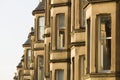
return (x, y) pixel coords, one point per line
(73, 40)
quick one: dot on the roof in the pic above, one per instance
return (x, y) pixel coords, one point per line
(15, 77)
(40, 8)
(27, 42)
(19, 65)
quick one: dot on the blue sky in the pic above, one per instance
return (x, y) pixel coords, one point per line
(16, 20)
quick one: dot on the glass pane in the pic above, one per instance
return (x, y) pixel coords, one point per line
(105, 27)
(41, 27)
(29, 53)
(105, 42)
(40, 68)
(41, 32)
(73, 68)
(88, 45)
(28, 58)
(60, 31)
(59, 75)
(60, 20)
(61, 39)
(41, 21)
(82, 13)
(81, 67)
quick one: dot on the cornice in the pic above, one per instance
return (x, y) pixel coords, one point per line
(82, 43)
(26, 45)
(79, 30)
(26, 74)
(39, 41)
(38, 11)
(37, 49)
(46, 35)
(102, 75)
(61, 50)
(100, 1)
(59, 60)
(61, 4)
(98, 74)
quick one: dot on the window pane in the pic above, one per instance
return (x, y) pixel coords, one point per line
(82, 13)
(60, 20)
(40, 68)
(73, 68)
(41, 21)
(29, 53)
(60, 31)
(88, 45)
(60, 75)
(105, 27)
(61, 39)
(28, 58)
(81, 67)
(41, 27)
(105, 42)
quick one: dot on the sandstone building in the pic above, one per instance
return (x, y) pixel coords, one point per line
(73, 40)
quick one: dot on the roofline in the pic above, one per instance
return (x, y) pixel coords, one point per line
(26, 45)
(38, 11)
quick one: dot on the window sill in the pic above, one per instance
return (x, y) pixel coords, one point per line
(104, 71)
(60, 50)
(39, 41)
(102, 74)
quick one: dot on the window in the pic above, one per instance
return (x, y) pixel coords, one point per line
(41, 28)
(81, 67)
(20, 75)
(88, 45)
(59, 75)
(104, 42)
(60, 31)
(73, 68)
(50, 75)
(28, 58)
(40, 68)
(82, 12)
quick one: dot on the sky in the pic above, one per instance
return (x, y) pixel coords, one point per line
(16, 20)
